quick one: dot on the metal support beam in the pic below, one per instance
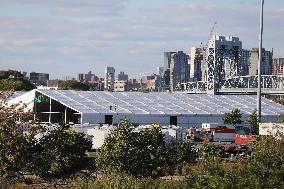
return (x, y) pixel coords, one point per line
(65, 115)
(259, 63)
(49, 115)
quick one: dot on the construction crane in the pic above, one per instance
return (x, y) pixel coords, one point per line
(210, 35)
(204, 48)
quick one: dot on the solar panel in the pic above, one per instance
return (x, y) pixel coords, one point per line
(160, 103)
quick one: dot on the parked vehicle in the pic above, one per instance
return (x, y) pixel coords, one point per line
(215, 132)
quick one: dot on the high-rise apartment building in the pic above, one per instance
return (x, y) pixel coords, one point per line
(39, 78)
(168, 59)
(160, 71)
(122, 76)
(278, 66)
(179, 69)
(245, 56)
(80, 77)
(109, 78)
(195, 64)
(88, 76)
(251, 57)
(176, 69)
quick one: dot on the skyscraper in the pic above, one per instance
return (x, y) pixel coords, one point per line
(122, 76)
(160, 71)
(179, 68)
(168, 58)
(39, 78)
(109, 78)
(266, 63)
(195, 64)
(80, 77)
(278, 66)
(176, 69)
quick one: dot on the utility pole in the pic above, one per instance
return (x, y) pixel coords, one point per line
(259, 63)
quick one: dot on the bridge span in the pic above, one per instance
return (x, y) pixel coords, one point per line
(271, 84)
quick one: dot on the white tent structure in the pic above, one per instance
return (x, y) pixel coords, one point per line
(99, 107)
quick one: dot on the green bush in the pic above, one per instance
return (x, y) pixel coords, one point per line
(179, 155)
(129, 182)
(61, 152)
(14, 144)
(211, 151)
(179, 151)
(134, 153)
(265, 169)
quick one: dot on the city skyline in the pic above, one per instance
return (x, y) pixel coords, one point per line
(70, 37)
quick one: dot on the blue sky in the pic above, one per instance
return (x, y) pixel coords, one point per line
(66, 37)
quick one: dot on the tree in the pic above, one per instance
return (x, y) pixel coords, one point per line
(179, 151)
(12, 80)
(211, 151)
(134, 153)
(61, 151)
(73, 85)
(269, 152)
(254, 122)
(10, 73)
(281, 118)
(14, 142)
(16, 85)
(234, 117)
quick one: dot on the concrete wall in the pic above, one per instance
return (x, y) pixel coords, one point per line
(184, 121)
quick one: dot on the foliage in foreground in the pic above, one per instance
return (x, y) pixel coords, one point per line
(265, 169)
(143, 153)
(135, 153)
(60, 152)
(122, 181)
(14, 144)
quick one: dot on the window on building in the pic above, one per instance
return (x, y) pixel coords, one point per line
(173, 120)
(108, 119)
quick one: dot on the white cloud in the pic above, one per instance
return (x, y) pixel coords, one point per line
(131, 41)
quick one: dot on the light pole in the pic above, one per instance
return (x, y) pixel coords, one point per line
(259, 63)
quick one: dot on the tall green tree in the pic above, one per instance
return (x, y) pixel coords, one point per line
(12, 80)
(6, 74)
(254, 122)
(179, 151)
(14, 142)
(73, 85)
(234, 117)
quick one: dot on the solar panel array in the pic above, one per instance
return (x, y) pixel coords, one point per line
(159, 103)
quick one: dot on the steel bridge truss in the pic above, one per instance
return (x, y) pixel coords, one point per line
(223, 75)
(238, 83)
